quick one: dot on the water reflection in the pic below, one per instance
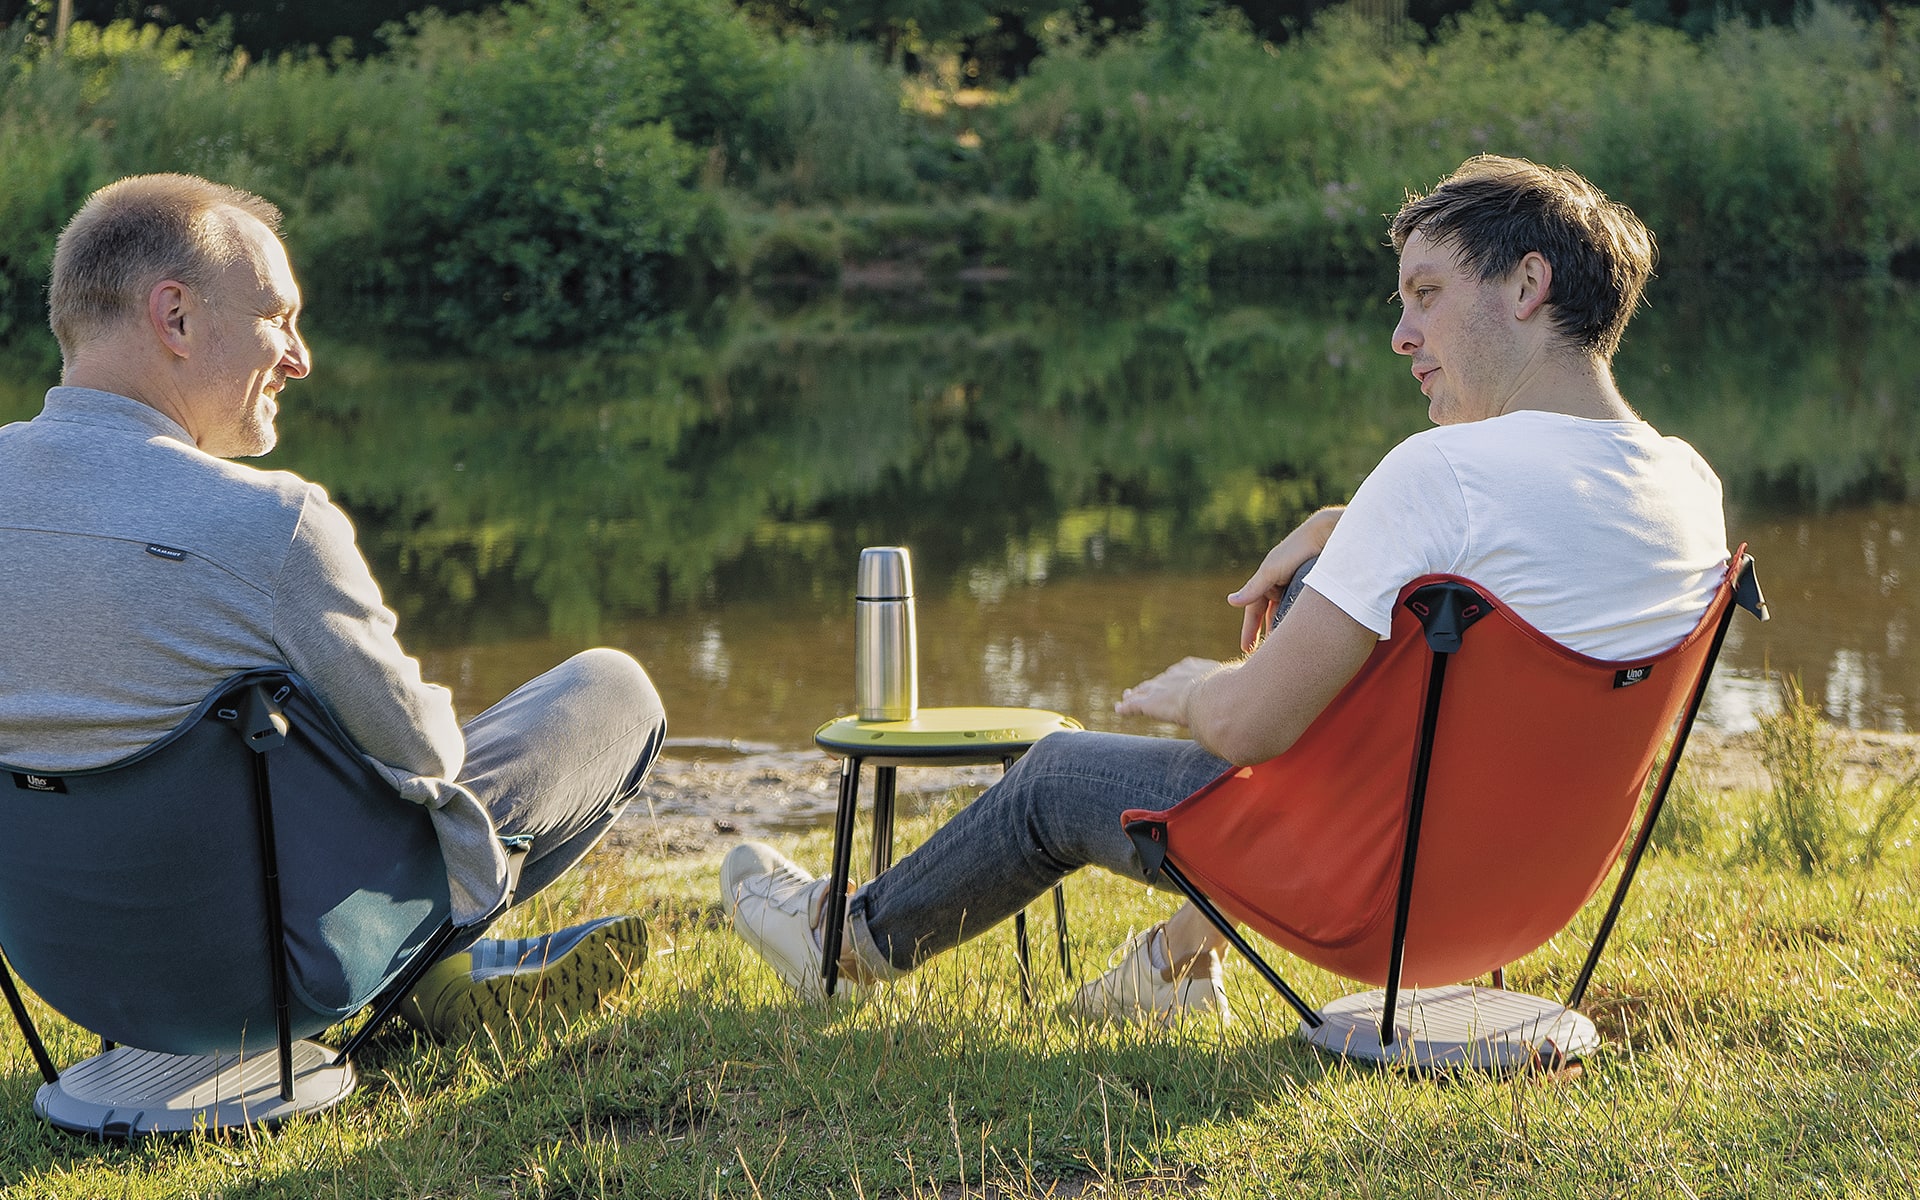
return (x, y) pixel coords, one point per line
(1839, 587)
(1081, 483)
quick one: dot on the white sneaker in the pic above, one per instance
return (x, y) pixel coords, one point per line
(776, 908)
(1133, 989)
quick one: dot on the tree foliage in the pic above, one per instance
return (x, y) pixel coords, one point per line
(557, 165)
(526, 172)
(262, 27)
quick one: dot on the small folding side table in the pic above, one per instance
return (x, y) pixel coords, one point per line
(932, 737)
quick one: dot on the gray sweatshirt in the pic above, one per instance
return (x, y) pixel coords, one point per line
(138, 573)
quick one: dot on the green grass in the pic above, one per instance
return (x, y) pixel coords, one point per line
(1762, 1039)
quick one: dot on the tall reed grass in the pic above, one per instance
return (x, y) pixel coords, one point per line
(841, 130)
(1812, 820)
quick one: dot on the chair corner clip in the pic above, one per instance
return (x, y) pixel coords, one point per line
(1446, 609)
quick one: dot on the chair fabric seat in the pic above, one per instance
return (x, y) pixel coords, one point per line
(131, 897)
(1539, 762)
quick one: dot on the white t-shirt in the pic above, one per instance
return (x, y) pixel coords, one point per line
(1603, 535)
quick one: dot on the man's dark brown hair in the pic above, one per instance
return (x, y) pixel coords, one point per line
(1494, 211)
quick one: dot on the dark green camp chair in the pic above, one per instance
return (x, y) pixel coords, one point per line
(209, 903)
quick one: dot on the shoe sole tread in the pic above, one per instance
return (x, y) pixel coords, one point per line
(570, 987)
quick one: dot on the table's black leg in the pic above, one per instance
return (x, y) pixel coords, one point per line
(1020, 924)
(883, 785)
(1026, 966)
(1060, 929)
(836, 914)
(833, 931)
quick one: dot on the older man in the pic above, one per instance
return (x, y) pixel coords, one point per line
(145, 568)
(1516, 282)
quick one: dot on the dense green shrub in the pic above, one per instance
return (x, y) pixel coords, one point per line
(808, 250)
(1319, 136)
(547, 169)
(45, 169)
(1736, 175)
(714, 75)
(519, 170)
(1081, 212)
(329, 144)
(557, 190)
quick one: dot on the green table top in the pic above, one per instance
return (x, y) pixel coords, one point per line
(955, 736)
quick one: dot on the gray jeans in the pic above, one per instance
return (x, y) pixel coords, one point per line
(557, 760)
(1057, 810)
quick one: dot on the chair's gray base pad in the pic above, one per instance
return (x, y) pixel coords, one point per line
(1462, 1026)
(126, 1092)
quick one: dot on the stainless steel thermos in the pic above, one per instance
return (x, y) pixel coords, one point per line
(886, 658)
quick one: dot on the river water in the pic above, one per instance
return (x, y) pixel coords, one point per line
(1081, 479)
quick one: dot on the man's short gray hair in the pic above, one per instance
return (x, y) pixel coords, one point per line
(132, 234)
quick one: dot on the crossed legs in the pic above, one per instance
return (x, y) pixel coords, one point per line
(555, 763)
(559, 758)
(1057, 810)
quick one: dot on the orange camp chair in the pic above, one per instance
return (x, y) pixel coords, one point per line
(1507, 765)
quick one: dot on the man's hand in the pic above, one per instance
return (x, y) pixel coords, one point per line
(1168, 695)
(1263, 590)
(1249, 711)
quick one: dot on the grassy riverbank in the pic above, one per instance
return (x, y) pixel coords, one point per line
(1761, 1027)
(550, 172)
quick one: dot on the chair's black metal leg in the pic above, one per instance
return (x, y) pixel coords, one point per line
(1645, 836)
(399, 989)
(1212, 913)
(1416, 808)
(1500, 978)
(837, 876)
(276, 925)
(27, 1029)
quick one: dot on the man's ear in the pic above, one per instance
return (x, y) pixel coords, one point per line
(168, 304)
(1535, 274)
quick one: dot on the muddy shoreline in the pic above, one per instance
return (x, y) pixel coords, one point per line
(702, 799)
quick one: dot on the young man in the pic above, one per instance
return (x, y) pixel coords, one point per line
(1516, 282)
(145, 569)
